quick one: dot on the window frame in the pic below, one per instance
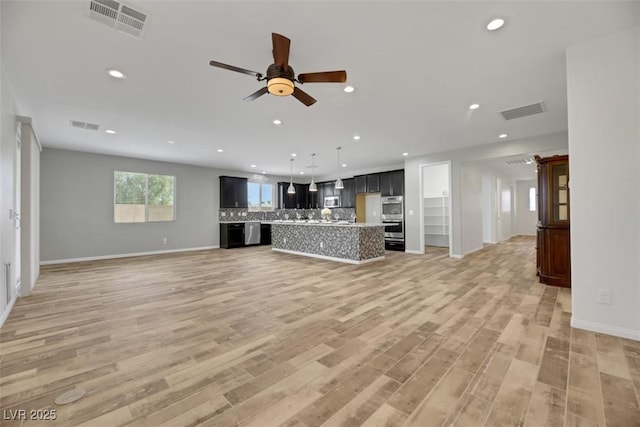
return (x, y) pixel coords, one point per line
(260, 208)
(146, 197)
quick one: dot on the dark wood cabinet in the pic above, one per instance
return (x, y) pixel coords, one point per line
(231, 235)
(553, 255)
(361, 184)
(320, 195)
(233, 192)
(299, 200)
(373, 183)
(348, 194)
(329, 188)
(392, 183)
(265, 234)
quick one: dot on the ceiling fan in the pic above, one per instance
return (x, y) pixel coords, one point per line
(281, 77)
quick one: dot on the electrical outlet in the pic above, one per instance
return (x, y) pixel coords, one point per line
(321, 245)
(165, 241)
(604, 296)
(244, 214)
(285, 240)
(223, 214)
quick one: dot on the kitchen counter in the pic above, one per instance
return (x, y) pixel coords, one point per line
(354, 243)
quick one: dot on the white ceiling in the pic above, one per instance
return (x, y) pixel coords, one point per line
(416, 67)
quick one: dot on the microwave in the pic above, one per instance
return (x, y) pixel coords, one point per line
(332, 201)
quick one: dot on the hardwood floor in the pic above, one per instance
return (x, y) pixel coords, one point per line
(256, 338)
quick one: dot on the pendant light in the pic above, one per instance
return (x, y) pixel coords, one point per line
(313, 186)
(339, 184)
(291, 189)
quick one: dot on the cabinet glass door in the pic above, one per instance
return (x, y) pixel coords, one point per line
(560, 192)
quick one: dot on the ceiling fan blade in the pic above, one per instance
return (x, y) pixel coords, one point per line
(234, 68)
(281, 46)
(256, 94)
(323, 77)
(303, 97)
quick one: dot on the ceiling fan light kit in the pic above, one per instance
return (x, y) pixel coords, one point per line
(280, 86)
(280, 76)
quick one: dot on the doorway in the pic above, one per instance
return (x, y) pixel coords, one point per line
(435, 202)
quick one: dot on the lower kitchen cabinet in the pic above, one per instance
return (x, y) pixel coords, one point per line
(265, 234)
(232, 235)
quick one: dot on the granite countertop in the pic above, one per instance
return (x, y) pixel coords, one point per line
(328, 224)
(309, 222)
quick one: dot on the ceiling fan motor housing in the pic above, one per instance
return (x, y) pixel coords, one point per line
(279, 81)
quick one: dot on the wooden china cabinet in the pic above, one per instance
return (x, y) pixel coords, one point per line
(554, 242)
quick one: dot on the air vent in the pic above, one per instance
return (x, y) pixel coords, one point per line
(84, 125)
(514, 162)
(527, 110)
(119, 16)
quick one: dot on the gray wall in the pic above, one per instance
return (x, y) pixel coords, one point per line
(77, 207)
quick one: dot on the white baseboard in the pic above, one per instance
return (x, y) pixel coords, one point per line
(330, 258)
(96, 258)
(457, 256)
(408, 251)
(7, 310)
(605, 329)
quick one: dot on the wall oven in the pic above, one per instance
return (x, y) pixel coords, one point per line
(393, 229)
(392, 208)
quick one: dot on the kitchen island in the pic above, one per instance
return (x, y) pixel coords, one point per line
(354, 243)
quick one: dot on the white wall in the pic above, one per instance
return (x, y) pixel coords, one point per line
(489, 213)
(505, 217)
(8, 253)
(413, 195)
(525, 219)
(435, 180)
(471, 208)
(604, 168)
(30, 208)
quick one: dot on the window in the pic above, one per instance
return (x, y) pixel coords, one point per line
(141, 197)
(260, 196)
(532, 199)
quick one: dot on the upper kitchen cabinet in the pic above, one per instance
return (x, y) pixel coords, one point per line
(361, 184)
(373, 183)
(233, 192)
(392, 183)
(349, 193)
(299, 200)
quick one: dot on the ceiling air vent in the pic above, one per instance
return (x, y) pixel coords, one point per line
(527, 110)
(514, 162)
(119, 16)
(84, 125)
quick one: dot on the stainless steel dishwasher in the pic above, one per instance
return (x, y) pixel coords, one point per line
(251, 233)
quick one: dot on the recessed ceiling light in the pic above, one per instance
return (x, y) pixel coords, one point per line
(171, 142)
(495, 24)
(111, 131)
(253, 166)
(356, 137)
(277, 122)
(502, 135)
(293, 154)
(344, 165)
(349, 89)
(474, 106)
(264, 172)
(405, 154)
(116, 74)
(301, 173)
(220, 150)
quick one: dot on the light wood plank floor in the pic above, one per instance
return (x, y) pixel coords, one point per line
(256, 338)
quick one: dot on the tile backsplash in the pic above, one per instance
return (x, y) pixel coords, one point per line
(235, 214)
